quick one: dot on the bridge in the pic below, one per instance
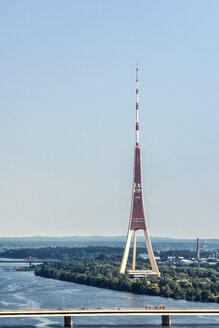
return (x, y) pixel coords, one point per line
(31, 260)
(69, 313)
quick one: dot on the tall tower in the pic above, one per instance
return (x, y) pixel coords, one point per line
(198, 251)
(137, 216)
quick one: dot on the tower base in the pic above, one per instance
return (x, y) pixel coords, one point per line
(142, 273)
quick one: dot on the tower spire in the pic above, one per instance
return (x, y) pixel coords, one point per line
(137, 113)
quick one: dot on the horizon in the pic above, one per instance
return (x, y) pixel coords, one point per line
(102, 236)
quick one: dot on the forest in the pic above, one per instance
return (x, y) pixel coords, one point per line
(99, 266)
(92, 252)
(195, 284)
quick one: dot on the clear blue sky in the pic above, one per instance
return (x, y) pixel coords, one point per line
(67, 116)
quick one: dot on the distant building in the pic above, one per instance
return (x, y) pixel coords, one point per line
(145, 256)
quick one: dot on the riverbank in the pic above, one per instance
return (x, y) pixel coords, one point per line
(194, 284)
(24, 290)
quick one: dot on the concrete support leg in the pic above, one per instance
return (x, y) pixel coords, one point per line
(68, 322)
(151, 253)
(126, 252)
(166, 320)
(134, 251)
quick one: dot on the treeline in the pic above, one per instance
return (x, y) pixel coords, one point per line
(61, 253)
(195, 284)
(91, 253)
(99, 266)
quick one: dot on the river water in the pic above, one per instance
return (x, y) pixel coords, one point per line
(20, 289)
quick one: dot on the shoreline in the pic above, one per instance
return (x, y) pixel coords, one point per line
(116, 289)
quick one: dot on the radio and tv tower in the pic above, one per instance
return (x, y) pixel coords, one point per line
(137, 216)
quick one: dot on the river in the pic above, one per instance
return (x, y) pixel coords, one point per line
(22, 289)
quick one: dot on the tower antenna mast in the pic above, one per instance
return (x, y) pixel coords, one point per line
(137, 109)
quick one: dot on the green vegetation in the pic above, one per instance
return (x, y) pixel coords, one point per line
(196, 284)
(99, 266)
(65, 252)
(92, 252)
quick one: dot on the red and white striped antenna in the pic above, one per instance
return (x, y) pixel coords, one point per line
(137, 115)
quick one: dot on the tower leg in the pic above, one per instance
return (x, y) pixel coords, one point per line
(134, 251)
(126, 252)
(151, 254)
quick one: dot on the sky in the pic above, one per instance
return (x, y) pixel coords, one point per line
(67, 116)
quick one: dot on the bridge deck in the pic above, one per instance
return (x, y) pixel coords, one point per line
(106, 312)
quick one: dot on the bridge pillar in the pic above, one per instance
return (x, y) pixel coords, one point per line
(68, 322)
(166, 320)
